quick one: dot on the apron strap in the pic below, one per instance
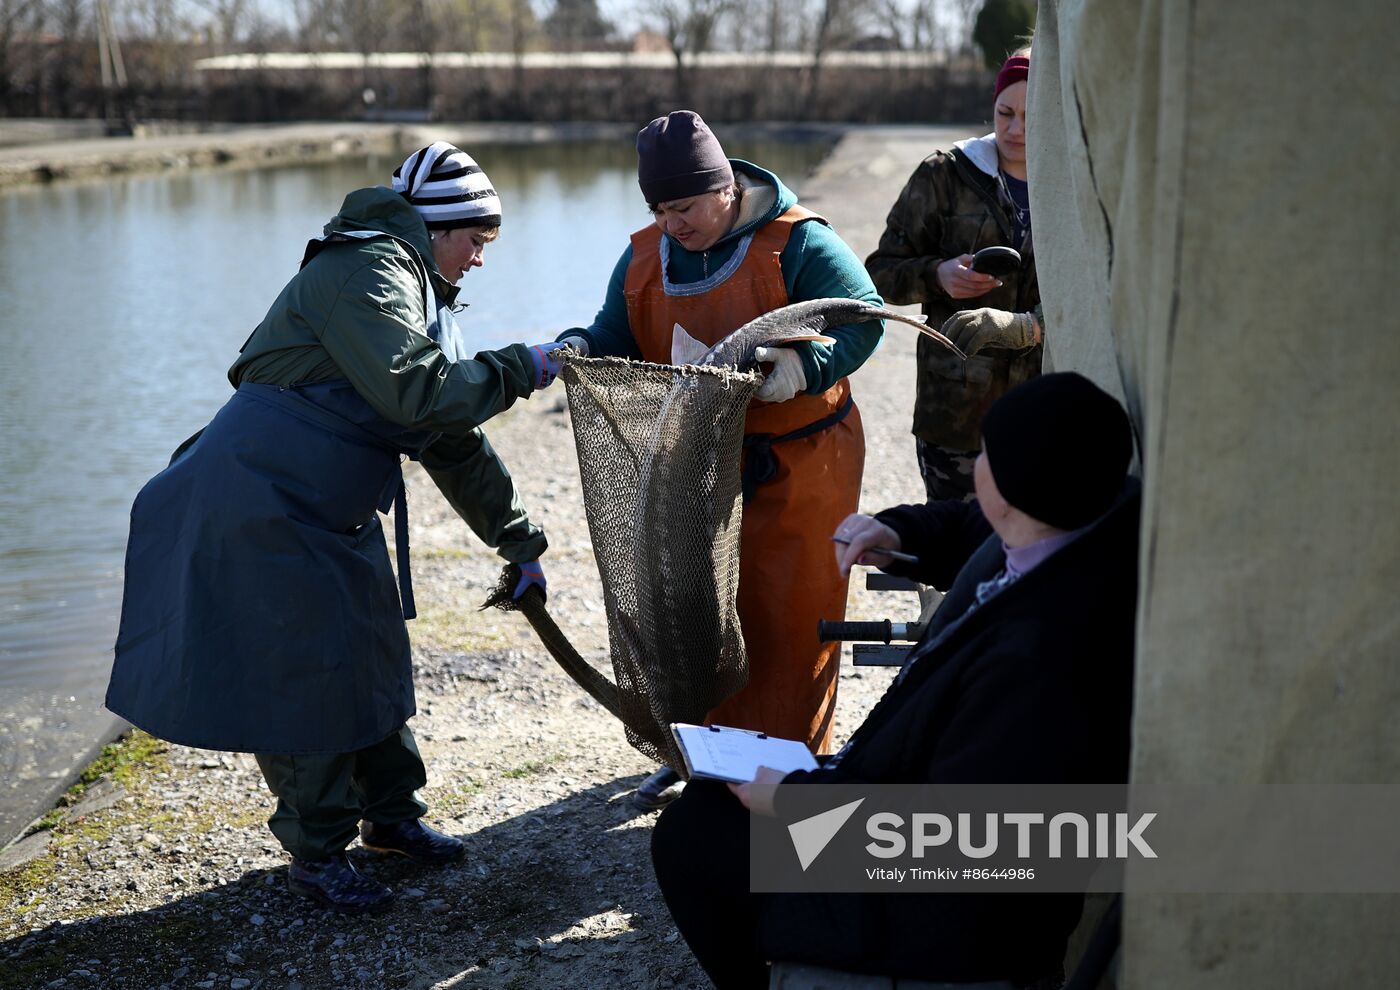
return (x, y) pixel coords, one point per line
(410, 611)
(761, 465)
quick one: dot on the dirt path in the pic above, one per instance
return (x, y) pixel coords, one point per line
(168, 878)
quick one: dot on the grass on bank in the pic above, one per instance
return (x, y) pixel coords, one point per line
(129, 762)
(131, 756)
(532, 767)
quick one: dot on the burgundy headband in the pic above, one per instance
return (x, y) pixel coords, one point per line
(1014, 70)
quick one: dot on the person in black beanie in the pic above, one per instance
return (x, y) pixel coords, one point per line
(1024, 676)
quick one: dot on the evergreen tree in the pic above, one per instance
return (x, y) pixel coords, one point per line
(576, 25)
(1000, 28)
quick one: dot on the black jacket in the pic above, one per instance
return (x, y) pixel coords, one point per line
(1035, 686)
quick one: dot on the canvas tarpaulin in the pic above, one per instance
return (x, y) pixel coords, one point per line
(1216, 232)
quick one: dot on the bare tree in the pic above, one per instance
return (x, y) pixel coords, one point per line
(266, 34)
(486, 25)
(361, 24)
(689, 27)
(312, 19)
(963, 14)
(162, 26)
(913, 24)
(71, 22)
(777, 22)
(227, 19)
(18, 18)
(522, 27)
(836, 25)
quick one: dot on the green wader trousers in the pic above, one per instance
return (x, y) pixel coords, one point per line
(322, 797)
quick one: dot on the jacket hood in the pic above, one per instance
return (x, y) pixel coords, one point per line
(765, 198)
(378, 208)
(381, 209)
(981, 152)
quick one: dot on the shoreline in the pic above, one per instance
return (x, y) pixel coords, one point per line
(164, 873)
(257, 146)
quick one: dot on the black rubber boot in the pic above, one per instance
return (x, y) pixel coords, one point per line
(658, 790)
(412, 839)
(337, 884)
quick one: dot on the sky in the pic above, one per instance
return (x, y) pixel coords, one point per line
(630, 15)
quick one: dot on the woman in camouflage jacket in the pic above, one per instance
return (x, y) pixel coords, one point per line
(954, 204)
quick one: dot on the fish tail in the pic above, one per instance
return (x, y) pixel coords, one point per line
(924, 329)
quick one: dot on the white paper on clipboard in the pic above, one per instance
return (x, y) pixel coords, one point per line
(721, 753)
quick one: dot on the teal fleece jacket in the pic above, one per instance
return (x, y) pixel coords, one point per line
(816, 264)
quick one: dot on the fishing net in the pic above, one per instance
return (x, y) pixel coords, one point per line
(659, 456)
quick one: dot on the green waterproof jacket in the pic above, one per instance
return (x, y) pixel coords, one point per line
(259, 607)
(356, 311)
(953, 204)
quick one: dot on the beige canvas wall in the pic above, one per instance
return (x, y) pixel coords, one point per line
(1218, 240)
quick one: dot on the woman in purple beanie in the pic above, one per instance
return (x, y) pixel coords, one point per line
(729, 244)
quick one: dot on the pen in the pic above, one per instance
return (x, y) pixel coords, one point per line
(908, 558)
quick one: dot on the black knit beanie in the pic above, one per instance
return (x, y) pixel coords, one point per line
(678, 157)
(1059, 448)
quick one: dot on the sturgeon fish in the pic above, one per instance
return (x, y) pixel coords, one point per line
(687, 622)
(806, 321)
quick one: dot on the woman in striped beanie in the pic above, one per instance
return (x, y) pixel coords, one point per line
(456, 202)
(261, 613)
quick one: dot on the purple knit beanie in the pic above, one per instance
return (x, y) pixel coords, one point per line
(678, 156)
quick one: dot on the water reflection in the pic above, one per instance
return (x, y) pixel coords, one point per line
(124, 303)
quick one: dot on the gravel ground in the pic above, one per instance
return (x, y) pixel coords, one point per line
(163, 874)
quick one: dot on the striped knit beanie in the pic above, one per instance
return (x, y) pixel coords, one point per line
(447, 188)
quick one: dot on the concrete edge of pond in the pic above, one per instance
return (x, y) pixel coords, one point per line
(257, 146)
(45, 802)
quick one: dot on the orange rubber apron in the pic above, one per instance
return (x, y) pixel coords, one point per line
(787, 569)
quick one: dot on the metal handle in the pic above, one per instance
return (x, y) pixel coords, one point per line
(877, 632)
(868, 632)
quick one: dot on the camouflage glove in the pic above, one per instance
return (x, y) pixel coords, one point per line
(976, 330)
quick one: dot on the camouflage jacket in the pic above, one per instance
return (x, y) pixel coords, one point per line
(954, 204)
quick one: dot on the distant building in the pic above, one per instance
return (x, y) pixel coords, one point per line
(873, 43)
(646, 42)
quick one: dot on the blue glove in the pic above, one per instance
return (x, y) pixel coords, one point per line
(547, 362)
(530, 573)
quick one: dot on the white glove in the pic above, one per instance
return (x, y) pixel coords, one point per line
(577, 343)
(787, 377)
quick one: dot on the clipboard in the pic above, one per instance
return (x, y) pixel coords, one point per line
(718, 752)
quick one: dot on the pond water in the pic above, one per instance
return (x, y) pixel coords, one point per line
(122, 304)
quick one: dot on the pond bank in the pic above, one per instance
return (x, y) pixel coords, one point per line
(167, 877)
(256, 146)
